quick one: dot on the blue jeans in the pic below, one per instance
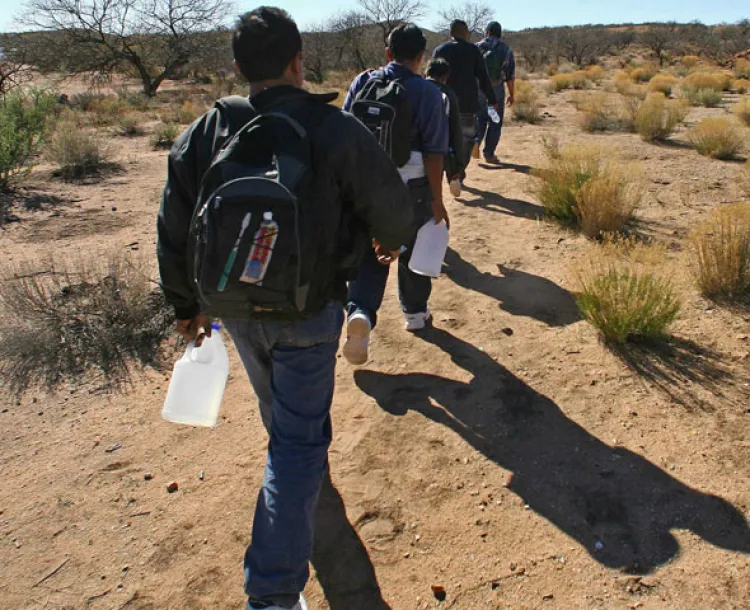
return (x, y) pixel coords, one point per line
(366, 292)
(291, 366)
(488, 130)
(469, 133)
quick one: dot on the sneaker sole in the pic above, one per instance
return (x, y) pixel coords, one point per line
(424, 325)
(455, 189)
(356, 349)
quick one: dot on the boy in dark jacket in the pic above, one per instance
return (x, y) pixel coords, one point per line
(438, 71)
(290, 362)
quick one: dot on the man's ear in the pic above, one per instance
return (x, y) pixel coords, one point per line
(294, 70)
(388, 54)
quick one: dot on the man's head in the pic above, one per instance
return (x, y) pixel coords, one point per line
(459, 30)
(267, 46)
(406, 45)
(494, 29)
(438, 70)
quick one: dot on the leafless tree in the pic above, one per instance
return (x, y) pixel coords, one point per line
(660, 39)
(355, 44)
(476, 15)
(317, 52)
(15, 69)
(387, 14)
(535, 48)
(581, 46)
(154, 38)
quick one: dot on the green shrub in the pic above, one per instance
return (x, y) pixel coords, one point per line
(62, 319)
(657, 117)
(77, 152)
(709, 98)
(128, 126)
(24, 125)
(164, 135)
(527, 106)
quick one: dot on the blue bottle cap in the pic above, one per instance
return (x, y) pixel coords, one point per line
(216, 326)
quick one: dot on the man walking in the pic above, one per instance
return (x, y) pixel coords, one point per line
(467, 69)
(422, 173)
(501, 68)
(290, 359)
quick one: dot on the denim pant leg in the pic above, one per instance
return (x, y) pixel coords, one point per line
(254, 352)
(494, 130)
(413, 290)
(303, 360)
(469, 131)
(367, 291)
(482, 119)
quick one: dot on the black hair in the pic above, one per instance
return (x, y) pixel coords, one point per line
(264, 43)
(438, 69)
(494, 29)
(406, 42)
(458, 27)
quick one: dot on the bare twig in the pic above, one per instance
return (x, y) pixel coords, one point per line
(52, 573)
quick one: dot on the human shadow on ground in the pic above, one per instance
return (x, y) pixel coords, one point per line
(679, 367)
(521, 169)
(497, 203)
(340, 558)
(615, 503)
(518, 292)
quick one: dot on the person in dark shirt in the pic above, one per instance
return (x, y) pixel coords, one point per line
(438, 71)
(467, 70)
(291, 362)
(423, 174)
(501, 67)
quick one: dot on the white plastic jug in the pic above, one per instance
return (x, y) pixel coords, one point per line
(197, 384)
(429, 249)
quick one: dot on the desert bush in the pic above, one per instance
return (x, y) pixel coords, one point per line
(741, 86)
(600, 112)
(84, 101)
(129, 126)
(583, 187)
(644, 73)
(574, 80)
(625, 86)
(721, 254)
(690, 61)
(527, 106)
(107, 110)
(742, 68)
(552, 69)
(24, 126)
(77, 152)
(164, 135)
(704, 79)
(709, 98)
(623, 296)
(595, 74)
(663, 83)
(188, 112)
(134, 99)
(744, 178)
(658, 117)
(717, 137)
(742, 111)
(62, 319)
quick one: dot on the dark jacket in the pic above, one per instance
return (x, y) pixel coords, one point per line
(467, 68)
(494, 44)
(455, 133)
(360, 192)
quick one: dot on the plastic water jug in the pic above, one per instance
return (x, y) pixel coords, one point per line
(429, 249)
(197, 384)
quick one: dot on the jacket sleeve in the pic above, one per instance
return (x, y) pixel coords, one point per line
(370, 183)
(484, 79)
(185, 166)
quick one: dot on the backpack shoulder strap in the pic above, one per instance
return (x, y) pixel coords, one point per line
(238, 111)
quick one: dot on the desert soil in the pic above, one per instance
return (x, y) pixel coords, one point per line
(506, 456)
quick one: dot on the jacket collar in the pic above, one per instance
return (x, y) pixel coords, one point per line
(273, 96)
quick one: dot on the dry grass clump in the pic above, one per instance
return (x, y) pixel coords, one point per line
(624, 85)
(742, 111)
(742, 68)
(106, 111)
(585, 188)
(663, 83)
(708, 98)
(601, 112)
(644, 73)
(188, 112)
(595, 74)
(717, 137)
(621, 292)
(575, 80)
(62, 319)
(658, 117)
(721, 254)
(741, 86)
(527, 106)
(77, 152)
(706, 79)
(129, 126)
(165, 135)
(690, 61)
(744, 178)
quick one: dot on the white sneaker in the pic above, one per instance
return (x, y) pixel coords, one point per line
(301, 605)
(357, 346)
(455, 187)
(417, 321)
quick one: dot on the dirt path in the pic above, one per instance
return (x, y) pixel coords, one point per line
(505, 455)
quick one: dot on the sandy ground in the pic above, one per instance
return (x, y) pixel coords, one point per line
(505, 455)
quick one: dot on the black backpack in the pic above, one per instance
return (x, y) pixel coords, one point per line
(383, 107)
(256, 245)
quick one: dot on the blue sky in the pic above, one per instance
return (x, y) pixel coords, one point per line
(526, 13)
